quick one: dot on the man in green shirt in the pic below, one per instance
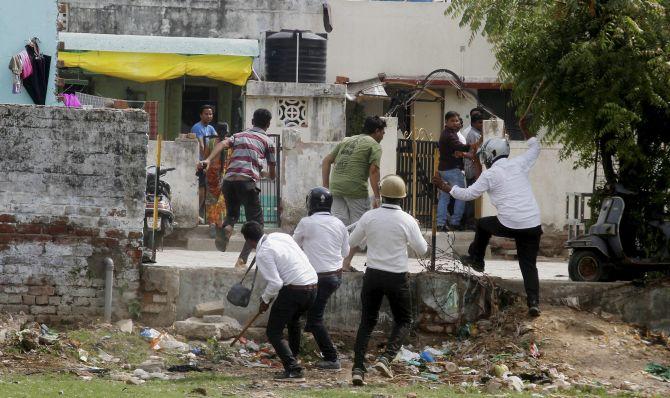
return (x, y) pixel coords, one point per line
(355, 160)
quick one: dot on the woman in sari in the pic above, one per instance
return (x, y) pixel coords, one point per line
(214, 201)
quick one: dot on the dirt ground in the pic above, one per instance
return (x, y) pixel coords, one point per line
(563, 349)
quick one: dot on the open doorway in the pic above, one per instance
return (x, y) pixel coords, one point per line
(193, 97)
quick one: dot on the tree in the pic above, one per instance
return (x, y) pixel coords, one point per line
(601, 72)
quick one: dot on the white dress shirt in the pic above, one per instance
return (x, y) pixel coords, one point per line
(281, 262)
(509, 189)
(388, 230)
(324, 239)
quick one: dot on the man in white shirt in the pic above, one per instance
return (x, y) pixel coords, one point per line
(388, 230)
(325, 241)
(506, 181)
(292, 280)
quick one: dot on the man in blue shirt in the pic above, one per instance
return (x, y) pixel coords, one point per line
(202, 131)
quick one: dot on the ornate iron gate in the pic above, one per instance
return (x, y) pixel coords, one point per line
(420, 189)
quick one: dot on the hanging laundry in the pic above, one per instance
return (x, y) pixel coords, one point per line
(71, 101)
(36, 83)
(27, 65)
(16, 66)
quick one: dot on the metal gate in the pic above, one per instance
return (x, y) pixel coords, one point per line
(419, 200)
(270, 191)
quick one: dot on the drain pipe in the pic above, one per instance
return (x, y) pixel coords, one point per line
(109, 279)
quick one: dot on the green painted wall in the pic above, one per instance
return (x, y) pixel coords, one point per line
(113, 87)
(168, 93)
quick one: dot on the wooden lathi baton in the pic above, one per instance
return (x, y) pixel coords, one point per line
(245, 328)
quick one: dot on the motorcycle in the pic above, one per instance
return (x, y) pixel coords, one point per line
(165, 220)
(600, 255)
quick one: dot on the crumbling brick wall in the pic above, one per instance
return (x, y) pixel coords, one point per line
(72, 187)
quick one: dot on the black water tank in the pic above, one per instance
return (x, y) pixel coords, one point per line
(280, 56)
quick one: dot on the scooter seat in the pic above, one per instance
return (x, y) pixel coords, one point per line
(606, 229)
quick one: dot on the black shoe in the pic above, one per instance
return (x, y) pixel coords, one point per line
(455, 227)
(329, 365)
(384, 367)
(358, 377)
(475, 264)
(534, 311)
(290, 375)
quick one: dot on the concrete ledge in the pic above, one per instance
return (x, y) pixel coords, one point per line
(284, 89)
(641, 305)
(440, 300)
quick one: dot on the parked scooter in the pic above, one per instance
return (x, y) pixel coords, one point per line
(600, 256)
(165, 221)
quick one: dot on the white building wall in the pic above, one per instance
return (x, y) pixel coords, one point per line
(399, 38)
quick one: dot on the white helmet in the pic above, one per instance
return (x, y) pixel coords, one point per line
(492, 150)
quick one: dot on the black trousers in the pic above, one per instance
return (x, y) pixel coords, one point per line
(286, 311)
(327, 286)
(376, 285)
(527, 245)
(242, 193)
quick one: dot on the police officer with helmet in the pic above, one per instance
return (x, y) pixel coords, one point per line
(325, 241)
(507, 183)
(388, 230)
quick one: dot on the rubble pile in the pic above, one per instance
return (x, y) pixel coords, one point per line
(562, 350)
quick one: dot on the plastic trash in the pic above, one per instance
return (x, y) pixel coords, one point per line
(197, 351)
(165, 341)
(433, 351)
(406, 355)
(83, 355)
(429, 376)
(534, 351)
(149, 333)
(426, 356)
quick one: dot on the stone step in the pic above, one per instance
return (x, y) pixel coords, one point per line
(198, 239)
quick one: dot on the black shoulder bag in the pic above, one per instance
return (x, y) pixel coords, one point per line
(238, 294)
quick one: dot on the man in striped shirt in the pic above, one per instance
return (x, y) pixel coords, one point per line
(251, 149)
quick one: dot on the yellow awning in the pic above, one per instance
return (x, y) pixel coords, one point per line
(148, 67)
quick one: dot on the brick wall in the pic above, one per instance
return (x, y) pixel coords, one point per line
(72, 187)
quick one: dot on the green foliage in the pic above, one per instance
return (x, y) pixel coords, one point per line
(604, 71)
(135, 309)
(355, 114)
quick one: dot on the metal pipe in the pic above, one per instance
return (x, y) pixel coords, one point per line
(109, 280)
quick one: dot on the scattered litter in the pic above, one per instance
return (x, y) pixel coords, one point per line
(500, 369)
(165, 341)
(125, 325)
(149, 334)
(105, 357)
(534, 351)
(426, 356)
(514, 383)
(184, 368)
(658, 370)
(406, 355)
(82, 354)
(47, 336)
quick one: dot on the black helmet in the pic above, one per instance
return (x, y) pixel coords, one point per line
(318, 199)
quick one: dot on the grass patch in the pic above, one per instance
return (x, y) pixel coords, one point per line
(129, 348)
(220, 385)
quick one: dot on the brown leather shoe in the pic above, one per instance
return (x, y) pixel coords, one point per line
(240, 263)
